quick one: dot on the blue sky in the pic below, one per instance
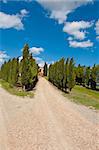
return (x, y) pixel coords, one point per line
(53, 29)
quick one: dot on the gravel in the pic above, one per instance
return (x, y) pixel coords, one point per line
(48, 121)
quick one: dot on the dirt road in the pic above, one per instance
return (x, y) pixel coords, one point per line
(46, 122)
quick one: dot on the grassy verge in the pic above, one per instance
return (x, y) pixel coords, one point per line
(84, 96)
(46, 77)
(15, 91)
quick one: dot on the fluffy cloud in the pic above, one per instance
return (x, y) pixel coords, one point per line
(36, 50)
(76, 28)
(97, 29)
(70, 38)
(23, 12)
(4, 1)
(58, 15)
(97, 37)
(12, 21)
(39, 61)
(60, 9)
(83, 44)
(3, 56)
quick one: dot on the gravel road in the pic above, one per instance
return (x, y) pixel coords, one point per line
(48, 121)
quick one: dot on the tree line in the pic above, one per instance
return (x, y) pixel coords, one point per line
(21, 73)
(87, 76)
(64, 74)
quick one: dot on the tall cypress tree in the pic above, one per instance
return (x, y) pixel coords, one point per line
(87, 75)
(15, 71)
(71, 81)
(25, 74)
(66, 74)
(93, 77)
(33, 71)
(45, 69)
(22, 72)
(61, 72)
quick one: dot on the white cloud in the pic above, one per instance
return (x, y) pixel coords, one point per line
(97, 37)
(4, 1)
(39, 61)
(58, 15)
(70, 38)
(3, 56)
(23, 12)
(59, 9)
(97, 29)
(20, 58)
(49, 62)
(12, 21)
(36, 50)
(83, 44)
(76, 28)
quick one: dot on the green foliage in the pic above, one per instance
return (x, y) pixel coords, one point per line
(45, 69)
(87, 76)
(71, 75)
(62, 74)
(14, 90)
(10, 71)
(80, 75)
(29, 69)
(22, 73)
(25, 74)
(93, 73)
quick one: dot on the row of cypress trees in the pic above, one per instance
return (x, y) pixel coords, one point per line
(10, 71)
(62, 74)
(21, 73)
(87, 76)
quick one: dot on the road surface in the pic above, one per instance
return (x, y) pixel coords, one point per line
(46, 122)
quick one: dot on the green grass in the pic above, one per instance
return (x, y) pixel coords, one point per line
(14, 90)
(46, 77)
(84, 96)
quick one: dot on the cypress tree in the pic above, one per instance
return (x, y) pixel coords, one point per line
(45, 69)
(71, 81)
(93, 77)
(15, 71)
(25, 74)
(61, 72)
(87, 75)
(66, 74)
(80, 74)
(33, 71)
